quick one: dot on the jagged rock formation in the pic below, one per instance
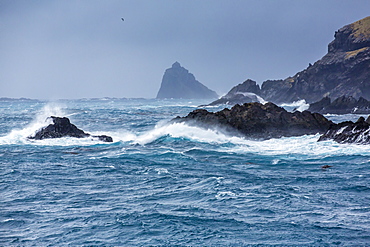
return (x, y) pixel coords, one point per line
(341, 105)
(344, 70)
(62, 127)
(259, 121)
(246, 92)
(177, 82)
(349, 132)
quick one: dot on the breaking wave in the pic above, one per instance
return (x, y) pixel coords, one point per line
(300, 105)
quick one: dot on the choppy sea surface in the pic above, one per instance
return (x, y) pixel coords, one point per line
(161, 184)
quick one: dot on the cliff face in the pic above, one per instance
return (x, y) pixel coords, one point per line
(177, 82)
(344, 70)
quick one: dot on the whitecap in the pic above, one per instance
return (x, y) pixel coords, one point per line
(182, 130)
(20, 136)
(223, 195)
(161, 171)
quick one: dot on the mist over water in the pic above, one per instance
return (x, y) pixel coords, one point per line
(162, 183)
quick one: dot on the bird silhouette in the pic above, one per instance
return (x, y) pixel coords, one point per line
(122, 19)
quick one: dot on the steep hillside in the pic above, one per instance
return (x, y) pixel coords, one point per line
(344, 70)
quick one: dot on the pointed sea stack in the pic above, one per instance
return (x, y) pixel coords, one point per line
(178, 83)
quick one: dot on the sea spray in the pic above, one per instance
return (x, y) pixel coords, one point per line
(299, 105)
(42, 119)
(172, 184)
(178, 130)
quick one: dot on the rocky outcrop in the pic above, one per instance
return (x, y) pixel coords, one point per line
(349, 132)
(344, 70)
(259, 121)
(246, 92)
(177, 83)
(62, 127)
(341, 105)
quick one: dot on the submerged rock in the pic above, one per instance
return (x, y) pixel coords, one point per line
(341, 105)
(62, 127)
(349, 132)
(259, 121)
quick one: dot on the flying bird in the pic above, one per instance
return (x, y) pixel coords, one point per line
(122, 19)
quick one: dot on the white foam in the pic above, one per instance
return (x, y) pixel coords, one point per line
(18, 136)
(299, 105)
(301, 146)
(307, 145)
(182, 130)
(251, 95)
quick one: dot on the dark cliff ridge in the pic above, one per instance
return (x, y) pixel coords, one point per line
(62, 127)
(344, 70)
(341, 105)
(246, 92)
(349, 132)
(259, 121)
(178, 83)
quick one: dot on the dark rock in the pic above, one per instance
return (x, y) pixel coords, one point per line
(178, 83)
(62, 127)
(255, 120)
(341, 105)
(349, 132)
(344, 70)
(246, 92)
(104, 138)
(320, 106)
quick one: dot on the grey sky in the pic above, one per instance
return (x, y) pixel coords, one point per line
(81, 49)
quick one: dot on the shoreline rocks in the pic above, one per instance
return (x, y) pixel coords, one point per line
(341, 105)
(245, 92)
(344, 70)
(259, 121)
(349, 132)
(62, 127)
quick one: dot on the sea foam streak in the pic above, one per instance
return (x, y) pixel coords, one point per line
(306, 145)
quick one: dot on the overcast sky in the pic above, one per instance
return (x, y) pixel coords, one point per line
(52, 49)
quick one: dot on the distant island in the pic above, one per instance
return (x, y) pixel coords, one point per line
(16, 99)
(178, 83)
(343, 71)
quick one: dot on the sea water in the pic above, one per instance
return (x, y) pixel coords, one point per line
(171, 184)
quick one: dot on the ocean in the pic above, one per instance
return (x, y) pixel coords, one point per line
(162, 184)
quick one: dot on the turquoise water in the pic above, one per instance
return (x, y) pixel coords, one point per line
(161, 184)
